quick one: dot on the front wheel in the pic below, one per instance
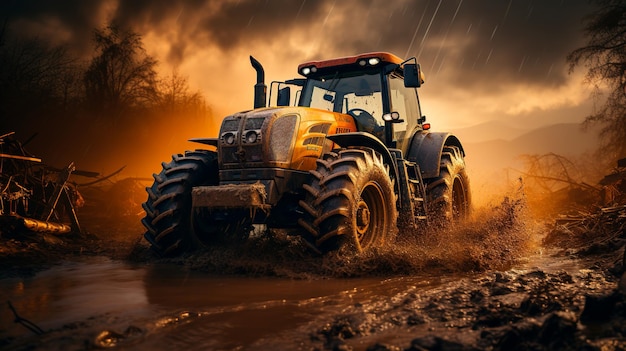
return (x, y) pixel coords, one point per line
(168, 207)
(350, 202)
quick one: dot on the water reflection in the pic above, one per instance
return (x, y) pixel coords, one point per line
(72, 292)
(113, 304)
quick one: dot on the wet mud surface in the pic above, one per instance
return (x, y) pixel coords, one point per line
(501, 282)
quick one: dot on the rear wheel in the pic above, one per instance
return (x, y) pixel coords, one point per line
(350, 201)
(448, 195)
(168, 207)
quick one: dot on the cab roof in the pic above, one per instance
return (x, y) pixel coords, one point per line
(367, 60)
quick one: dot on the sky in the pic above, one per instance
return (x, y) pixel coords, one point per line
(484, 60)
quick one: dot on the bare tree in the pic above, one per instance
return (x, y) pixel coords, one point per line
(122, 76)
(177, 99)
(36, 79)
(605, 58)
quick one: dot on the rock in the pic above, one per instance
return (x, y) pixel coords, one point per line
(517, 337)
(435, 343)
(476, 296)
(542, 300)
(383, 347)
(599, 308)
(558, 331)
(415, 319)
(340, 345)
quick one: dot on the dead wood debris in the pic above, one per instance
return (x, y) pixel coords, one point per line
(34, 196)
(599, 227)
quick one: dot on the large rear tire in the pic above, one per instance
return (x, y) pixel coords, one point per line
(350, 202)
(449, 197)
(168, 207)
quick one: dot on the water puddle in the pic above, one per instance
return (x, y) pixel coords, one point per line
(110, 303)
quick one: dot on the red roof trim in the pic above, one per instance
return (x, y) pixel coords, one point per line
(385, 57)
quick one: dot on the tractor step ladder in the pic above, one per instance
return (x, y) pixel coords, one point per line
(415, 178)
(412, 195)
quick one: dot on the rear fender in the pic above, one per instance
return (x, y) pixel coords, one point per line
(426, 149)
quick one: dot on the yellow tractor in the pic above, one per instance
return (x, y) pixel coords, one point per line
(343, 156)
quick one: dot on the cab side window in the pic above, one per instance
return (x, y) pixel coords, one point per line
(404, 101)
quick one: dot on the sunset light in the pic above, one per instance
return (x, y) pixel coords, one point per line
(280, 175)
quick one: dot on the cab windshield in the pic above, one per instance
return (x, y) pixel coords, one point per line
(360, 95)
(345, 93)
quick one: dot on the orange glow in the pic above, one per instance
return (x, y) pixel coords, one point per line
(168, 139)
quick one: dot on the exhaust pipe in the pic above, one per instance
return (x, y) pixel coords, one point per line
(260, 89)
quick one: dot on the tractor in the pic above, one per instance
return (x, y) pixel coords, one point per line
(342, 157)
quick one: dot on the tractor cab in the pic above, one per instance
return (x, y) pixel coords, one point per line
(371, 88)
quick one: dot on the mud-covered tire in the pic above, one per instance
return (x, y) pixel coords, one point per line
(350, 201)
(168, 207)
(448, 195)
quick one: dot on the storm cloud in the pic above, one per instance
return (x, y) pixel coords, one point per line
(480, 45)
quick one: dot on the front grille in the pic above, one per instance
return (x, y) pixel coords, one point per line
(254, 153)
(229, 154)
(281, 141)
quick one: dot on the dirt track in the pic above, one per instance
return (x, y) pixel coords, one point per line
(577, 306)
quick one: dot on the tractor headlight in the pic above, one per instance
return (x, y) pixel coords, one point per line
(229, 138)
(251, 137)
(373, 61)
(307, 70)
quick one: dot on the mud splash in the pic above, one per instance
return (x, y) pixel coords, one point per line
(495, 238)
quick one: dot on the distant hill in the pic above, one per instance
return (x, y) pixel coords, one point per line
(491, 130)
(496, 162)
(566, 139)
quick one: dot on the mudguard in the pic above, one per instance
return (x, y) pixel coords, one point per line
(426, 148)
(366, 140)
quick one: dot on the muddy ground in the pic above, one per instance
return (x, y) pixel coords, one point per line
(507, 300)
(526, 308)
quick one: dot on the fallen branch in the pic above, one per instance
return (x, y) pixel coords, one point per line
(25, 322)
(583, 184)
(103, 178)
(6, 135)
(23, 158)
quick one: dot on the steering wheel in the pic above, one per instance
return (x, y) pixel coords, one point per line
(365, 122)
(360, 112)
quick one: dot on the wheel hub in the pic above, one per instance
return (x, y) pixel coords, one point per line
(362, 216)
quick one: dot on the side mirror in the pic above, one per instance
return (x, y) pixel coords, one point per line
(413, 77)
(284, 97)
